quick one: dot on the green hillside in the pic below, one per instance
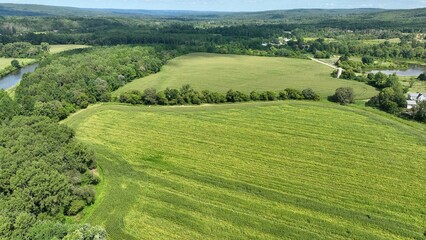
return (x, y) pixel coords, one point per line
(282, 170)
(246, 73)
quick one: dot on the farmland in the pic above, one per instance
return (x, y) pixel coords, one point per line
(281, 170)
(246, 73)
(65, 47)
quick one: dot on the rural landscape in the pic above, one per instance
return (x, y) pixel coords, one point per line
(178, 120)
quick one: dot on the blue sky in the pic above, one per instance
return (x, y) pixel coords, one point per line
(229, 5)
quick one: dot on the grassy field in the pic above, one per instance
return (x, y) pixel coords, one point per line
(378, 41)
(62, 48)
(5, 62)
(277, 170)
(246, 73)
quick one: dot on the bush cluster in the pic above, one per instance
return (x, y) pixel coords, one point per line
(187, 95)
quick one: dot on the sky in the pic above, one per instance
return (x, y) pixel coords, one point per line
(229, 5)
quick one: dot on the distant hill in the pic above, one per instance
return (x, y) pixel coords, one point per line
(8, 9)
(294, 15)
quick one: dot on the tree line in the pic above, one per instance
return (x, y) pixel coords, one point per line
(186, 95)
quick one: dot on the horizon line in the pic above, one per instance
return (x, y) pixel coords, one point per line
(215, 11)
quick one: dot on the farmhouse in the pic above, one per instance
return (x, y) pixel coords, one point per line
(414, 98)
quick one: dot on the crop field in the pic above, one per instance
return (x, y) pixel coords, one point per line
(66, 47)
(246, 73)
(275, 170)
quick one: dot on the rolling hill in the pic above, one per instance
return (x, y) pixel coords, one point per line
(282, 170)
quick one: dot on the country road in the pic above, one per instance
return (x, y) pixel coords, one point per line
(327, 64)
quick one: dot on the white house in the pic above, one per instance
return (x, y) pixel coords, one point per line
(414, 98)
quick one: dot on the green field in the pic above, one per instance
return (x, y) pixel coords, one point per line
(246, 73)
(5, 62)
(62, 48)
(379, 41)
(276, 170)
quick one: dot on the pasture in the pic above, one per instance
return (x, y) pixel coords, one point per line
(5, 62)
(246, 73)
(65, 47)
(275, 170)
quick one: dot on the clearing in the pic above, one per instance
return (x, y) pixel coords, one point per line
(246, 73)
(62, 48)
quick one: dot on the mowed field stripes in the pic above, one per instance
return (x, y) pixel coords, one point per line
(281, 170)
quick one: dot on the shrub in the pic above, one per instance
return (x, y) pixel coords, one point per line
(15, 63)
(344, 95)
(310, 94)
(367, 60)
(293, 94)
(75, 207)
(254, 96)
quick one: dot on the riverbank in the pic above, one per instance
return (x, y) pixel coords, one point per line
(14, 77)
(9, 69)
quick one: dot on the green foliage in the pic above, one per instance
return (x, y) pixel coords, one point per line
(43, 230)
(75, 207)
(310, 94)
(86, 232)
(15, 63)
(344, 95)
(19, 50)
(64, 83)
(391, 98)
(420, 112)
(188, 95)
(348, 74)
(45, 47)
(38, 161)
(322, 54)
(367, 60)
(8, 107)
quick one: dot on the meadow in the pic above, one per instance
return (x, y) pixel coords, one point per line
(275, 170)
(65, 47)
(246, 73)
(5, 62)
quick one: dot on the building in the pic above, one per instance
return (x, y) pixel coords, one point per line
(414, 98)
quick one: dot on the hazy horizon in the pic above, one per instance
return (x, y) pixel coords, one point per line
(229, 5)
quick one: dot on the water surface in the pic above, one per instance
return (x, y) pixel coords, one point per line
(14, 78)
(412, 71)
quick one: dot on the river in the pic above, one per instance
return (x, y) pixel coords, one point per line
(14, 78)
(412, 71)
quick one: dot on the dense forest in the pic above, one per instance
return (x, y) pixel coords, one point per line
(67, 82)
(45, 176)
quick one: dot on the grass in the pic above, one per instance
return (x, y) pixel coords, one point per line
(276, 170)
(246, 73)
(379, 41)
(5, 62)
(62, 48)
